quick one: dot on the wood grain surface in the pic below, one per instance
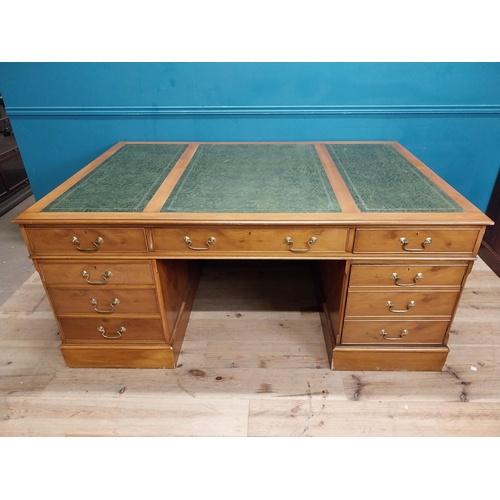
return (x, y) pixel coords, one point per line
(253, 363)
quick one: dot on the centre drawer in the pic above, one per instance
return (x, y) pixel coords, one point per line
(104, 301)
(400, 304)
(89, 273)
(86, 241)
(110, 330)
(289, 241)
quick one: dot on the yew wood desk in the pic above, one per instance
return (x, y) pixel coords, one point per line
(118, 246)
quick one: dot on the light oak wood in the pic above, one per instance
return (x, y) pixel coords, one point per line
(332, 289)
(382, 275)
(86, 330)
(123, 273)
(177, 279)
(56, 241)
(443, 240)
(158, 200)
(196, 219)
(346, 201)
(185, 309)
(366, 358)
(226, 240)
(251, 242)
(430, 303)
(77, 300)
(121, 356)
(273, 239)
(370, 332)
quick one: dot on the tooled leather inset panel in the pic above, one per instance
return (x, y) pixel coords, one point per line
(125, 182)
(257, 178)
(382, 180)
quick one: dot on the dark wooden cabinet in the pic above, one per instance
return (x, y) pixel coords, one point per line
(490, 248)
(14, 183)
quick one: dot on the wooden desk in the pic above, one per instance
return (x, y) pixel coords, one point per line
(119, 246)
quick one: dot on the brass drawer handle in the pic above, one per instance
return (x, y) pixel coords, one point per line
(120, 330)
(105, 311)
(408, 307)
(105, 277)
(396, 278)
(188, 242)
(289, 242)
(403, 241)
(401, 335)
(98, 241)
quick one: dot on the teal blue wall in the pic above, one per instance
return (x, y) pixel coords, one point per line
(447, 114)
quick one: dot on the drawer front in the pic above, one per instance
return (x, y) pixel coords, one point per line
(400, 304)
(299, 240)
(394, 332)
(411, 275)
(197, 241)
(88, 274)
(91, 241)
(415, 241)
(103, 301)
(110, 330)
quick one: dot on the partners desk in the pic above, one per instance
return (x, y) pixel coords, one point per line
(119, 245)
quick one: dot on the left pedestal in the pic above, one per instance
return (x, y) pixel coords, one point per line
(114, 311)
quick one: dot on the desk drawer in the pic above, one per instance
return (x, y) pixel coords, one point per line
(196, 241)
(105, 301)
(402, 304)
(411, 275)
(415, 240)
(110, 330)
(287, 240)
(299, 240)
(88, 273)
(86, 241)
(394, 332)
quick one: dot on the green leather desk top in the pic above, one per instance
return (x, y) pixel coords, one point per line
(125, 182)
(255, 178)
(380, 179)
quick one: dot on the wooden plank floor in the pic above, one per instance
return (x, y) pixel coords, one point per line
(253, 364)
